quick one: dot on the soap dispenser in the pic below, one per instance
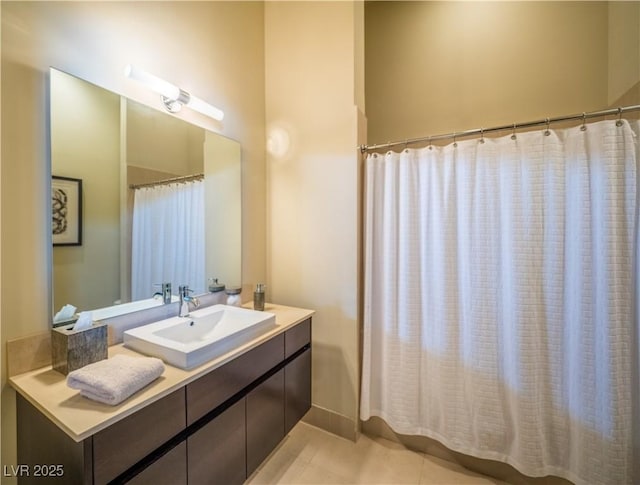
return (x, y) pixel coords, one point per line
(258, 297)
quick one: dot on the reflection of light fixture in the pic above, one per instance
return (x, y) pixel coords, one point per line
(172, 96)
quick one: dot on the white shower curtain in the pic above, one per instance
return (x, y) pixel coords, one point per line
(168, 238)
(501, 299)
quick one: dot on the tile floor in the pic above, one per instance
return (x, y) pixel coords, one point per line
(310, 455)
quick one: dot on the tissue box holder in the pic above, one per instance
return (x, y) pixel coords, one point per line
(72, 349)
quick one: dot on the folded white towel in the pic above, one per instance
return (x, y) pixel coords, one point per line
(113, 380)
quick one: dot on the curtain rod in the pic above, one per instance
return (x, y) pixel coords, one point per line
(513, 126)
(186, 178)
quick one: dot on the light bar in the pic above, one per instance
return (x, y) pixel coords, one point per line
(172, 96)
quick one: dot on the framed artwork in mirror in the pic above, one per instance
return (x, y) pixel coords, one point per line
(66, 210)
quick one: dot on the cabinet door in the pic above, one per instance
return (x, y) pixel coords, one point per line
(216, 452)
(297, 389)
(170, 468)
(265, 419)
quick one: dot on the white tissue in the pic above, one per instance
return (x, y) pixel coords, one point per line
(65, 313)
(85, 320)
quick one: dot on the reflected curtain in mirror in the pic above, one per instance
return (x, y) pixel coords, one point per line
(168, 237)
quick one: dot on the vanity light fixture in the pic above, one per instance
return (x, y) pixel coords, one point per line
(172, 96)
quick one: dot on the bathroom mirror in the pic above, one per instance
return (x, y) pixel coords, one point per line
(115, 146)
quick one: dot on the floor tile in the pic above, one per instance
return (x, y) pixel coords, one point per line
(436, 471)
(318, 475)
(281, 467)
(309, 455)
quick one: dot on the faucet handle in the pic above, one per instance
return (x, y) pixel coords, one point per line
(184, 290)
(166, 292)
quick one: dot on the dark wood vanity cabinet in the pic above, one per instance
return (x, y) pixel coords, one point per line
(169, 468)
(41, 442)
(265, 419)
(297, 389)
(216, 452)
(215, 430)
(123, 444)
(220, 385)
(297, 374)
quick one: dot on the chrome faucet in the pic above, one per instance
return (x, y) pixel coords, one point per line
(165, 294)
(185, 299)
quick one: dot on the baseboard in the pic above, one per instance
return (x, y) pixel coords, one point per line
(332, 422)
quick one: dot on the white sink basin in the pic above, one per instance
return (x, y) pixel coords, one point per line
(205, 334)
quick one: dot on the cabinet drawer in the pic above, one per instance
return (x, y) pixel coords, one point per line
(297, 337)
(126, 442)
(211, 390)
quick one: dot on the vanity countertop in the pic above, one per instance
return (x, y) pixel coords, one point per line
(80, 417)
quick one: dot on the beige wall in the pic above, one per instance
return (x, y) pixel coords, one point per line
(440, 67)
(213, 49)
(2, 340)
(311, 58)
(160, 142)
(222, 229)
(624, 53)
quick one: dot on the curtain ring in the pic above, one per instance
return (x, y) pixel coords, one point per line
(619, 122)
(482, 135)
(513, 134)
(455, 143)
(584, 122)
(406, 142)
(547, 132)
(430, 145)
